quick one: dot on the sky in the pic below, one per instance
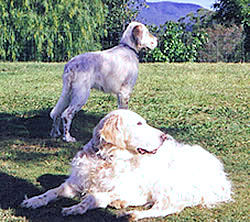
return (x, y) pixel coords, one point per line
(204, 3)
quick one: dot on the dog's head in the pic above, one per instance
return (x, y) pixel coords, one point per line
(137, 36)
(124, 130)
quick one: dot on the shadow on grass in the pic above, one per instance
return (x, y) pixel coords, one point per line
(13, 190)
(177, 133)
(37, 125)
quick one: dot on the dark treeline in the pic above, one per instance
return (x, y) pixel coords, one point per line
(56, 30)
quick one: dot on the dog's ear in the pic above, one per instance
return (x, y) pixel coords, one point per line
(137, 34)
(109, 133)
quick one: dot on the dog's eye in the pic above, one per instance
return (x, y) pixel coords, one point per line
(139, 123)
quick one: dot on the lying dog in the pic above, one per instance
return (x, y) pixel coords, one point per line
(129, 163)
(112, 71)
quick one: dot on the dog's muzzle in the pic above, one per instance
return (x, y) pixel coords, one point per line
(144, 151)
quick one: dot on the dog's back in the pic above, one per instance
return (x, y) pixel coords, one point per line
(107, 70)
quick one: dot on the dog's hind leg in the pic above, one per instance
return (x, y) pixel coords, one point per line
(56, 112)
(79, 98)
(153, 212)
(88, 203)
(159, 209)
(64, 190)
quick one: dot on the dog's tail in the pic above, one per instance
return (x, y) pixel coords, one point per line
(65, 97)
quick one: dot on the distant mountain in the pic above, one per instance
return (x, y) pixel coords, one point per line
(159, 12)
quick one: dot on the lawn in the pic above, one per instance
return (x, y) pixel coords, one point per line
(205, 104)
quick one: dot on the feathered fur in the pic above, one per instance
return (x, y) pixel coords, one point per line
(129, 163)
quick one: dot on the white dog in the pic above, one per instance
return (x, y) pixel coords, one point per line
(129, 163)
(112, 71)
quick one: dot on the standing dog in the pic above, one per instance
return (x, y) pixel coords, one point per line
(129, 163)
(112, 71)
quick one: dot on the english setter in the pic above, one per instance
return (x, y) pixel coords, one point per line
(112, 71)
(129, 163)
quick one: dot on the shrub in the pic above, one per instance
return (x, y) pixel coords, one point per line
(175, 43)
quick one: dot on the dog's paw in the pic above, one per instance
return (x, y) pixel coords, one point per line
(118, 204)
(69, 138)
(74, 210)
(68, 211)
(130, 216)
(34, 202)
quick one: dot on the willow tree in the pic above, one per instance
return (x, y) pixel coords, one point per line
(49, 30)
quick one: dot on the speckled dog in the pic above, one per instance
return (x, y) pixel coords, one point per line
(112, 71)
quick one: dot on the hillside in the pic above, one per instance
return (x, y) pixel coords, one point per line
(160, 12)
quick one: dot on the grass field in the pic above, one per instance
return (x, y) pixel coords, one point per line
(206, 104)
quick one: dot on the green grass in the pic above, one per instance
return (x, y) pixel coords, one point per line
(206, 104)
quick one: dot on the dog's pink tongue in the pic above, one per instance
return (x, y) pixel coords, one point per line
(154, 151)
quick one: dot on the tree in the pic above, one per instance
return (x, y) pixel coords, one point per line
(49, 30)
(224, 44)
(229, 12)
(198, 20)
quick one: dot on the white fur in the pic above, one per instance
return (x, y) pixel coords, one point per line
(175, 177)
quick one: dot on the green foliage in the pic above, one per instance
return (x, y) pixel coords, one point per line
(49, 30)
(230, 12)
(200, 37)
(201, 19)
(223, 43)
(175, 43)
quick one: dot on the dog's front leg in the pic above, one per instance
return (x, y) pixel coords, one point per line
(89, 202)
(123, 98)
(65, 190)
(41, 200)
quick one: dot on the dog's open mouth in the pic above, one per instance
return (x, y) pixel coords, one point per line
(143, 151)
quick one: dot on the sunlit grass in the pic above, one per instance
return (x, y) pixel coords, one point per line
(206, 104)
